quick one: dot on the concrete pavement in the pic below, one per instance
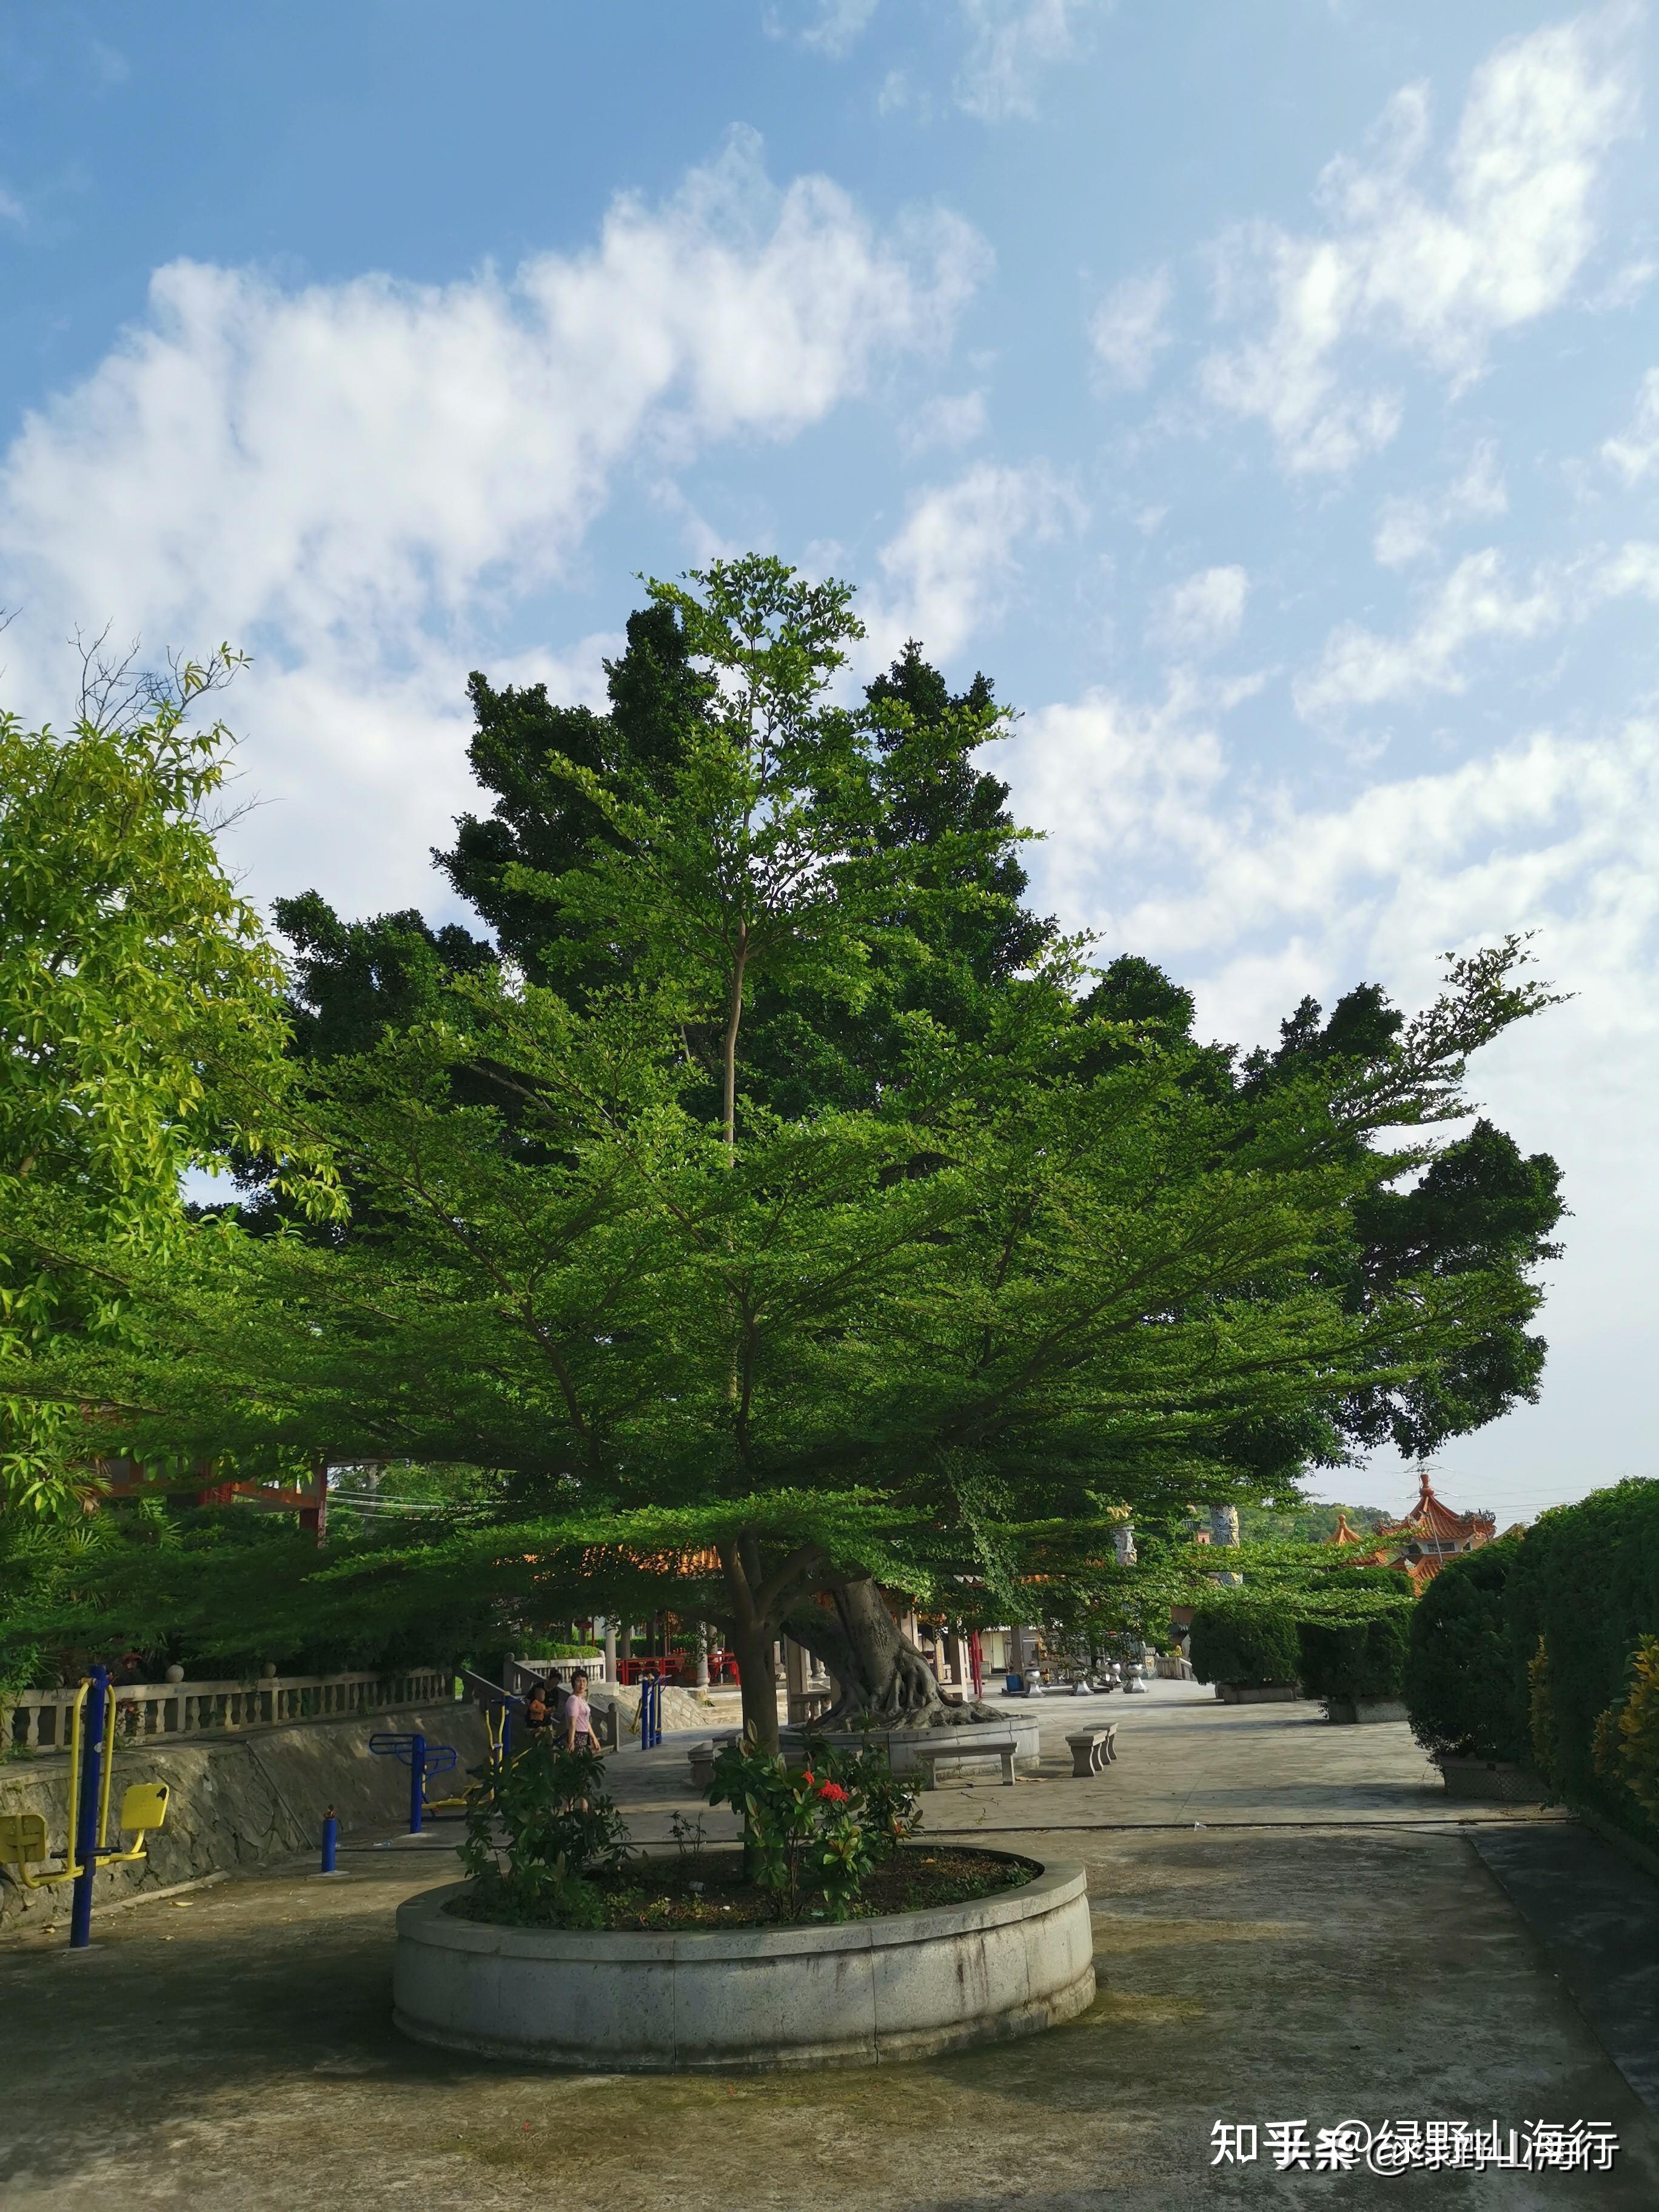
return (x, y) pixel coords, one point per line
(1340, 1952)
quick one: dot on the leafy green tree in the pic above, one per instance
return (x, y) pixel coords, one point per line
(956, 923)
(141, 1023)
(1045, 1264)
(541, 820)
(870, 1345)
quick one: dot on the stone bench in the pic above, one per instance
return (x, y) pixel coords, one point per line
(700, 1760)
(1092, 1749)
(966, 1743)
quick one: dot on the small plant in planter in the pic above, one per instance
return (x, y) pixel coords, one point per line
(817, 1831)
(559, 1829)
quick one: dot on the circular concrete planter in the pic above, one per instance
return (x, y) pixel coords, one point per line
(868, 1991)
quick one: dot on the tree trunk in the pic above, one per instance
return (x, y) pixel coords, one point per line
(729, 1042)
(880, 1675)
(753, 1647)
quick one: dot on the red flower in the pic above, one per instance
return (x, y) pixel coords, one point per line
(833, 1793)
(806, 1776)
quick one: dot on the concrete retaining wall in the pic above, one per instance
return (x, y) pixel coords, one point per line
(894, 1988)
(237, 1803)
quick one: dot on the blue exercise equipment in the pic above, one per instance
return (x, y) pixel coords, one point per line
(650, 1711)
(425, 1761)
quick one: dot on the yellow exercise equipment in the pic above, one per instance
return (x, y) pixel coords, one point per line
(144, 1807)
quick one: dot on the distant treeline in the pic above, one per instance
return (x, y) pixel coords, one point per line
(1303, 1524)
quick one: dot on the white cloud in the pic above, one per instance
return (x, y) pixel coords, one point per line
(831, 27)
(949, 420)
(1624, 287)
(1408, 528)
(1358, 668)
(1012, 42)
(12, 209)
(951, 567)
(342, 477)
(252, 455)
(1631, 573)
(1130, 328)
(1476, 601)
(1637, 449)
(1434, 274)
(1104, 778)
(1204, 612)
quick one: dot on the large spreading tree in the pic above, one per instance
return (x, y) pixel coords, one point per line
(789, 1213)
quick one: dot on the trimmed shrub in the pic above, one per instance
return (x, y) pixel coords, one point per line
(1586, 1587)
(1249, 1640)
(1343, 1661)
(1465, 1681)
(1628, 1736)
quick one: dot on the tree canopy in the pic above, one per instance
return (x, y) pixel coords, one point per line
(142, 1032)
(792, 1208)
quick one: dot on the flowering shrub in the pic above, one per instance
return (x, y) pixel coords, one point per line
(817, 1831)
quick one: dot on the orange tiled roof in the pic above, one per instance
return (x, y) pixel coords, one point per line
(1420, 1543)
(1437, 1530)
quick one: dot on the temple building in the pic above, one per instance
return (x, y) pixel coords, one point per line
(1422, 1540)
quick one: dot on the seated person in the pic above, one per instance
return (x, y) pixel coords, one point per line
(537, 1717)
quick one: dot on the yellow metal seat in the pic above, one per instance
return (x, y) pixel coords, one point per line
(144, 1806)
(22, 1839)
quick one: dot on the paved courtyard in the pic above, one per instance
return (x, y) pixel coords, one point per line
(1291, 1924)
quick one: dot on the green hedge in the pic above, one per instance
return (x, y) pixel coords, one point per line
(1244, 1640)
(1357, 1635)
(1586, 1587)
(1345, 1660)
(1465, 1681)
(1545, 1650)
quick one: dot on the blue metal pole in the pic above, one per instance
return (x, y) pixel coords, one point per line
(417, 1782)
(331, 1839)
(88, 1840)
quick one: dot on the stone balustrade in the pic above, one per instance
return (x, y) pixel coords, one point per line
(39, 1720)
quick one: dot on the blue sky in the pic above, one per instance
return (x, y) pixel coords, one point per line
(1267, 398)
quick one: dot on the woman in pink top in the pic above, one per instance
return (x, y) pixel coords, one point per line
(578, 1717)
